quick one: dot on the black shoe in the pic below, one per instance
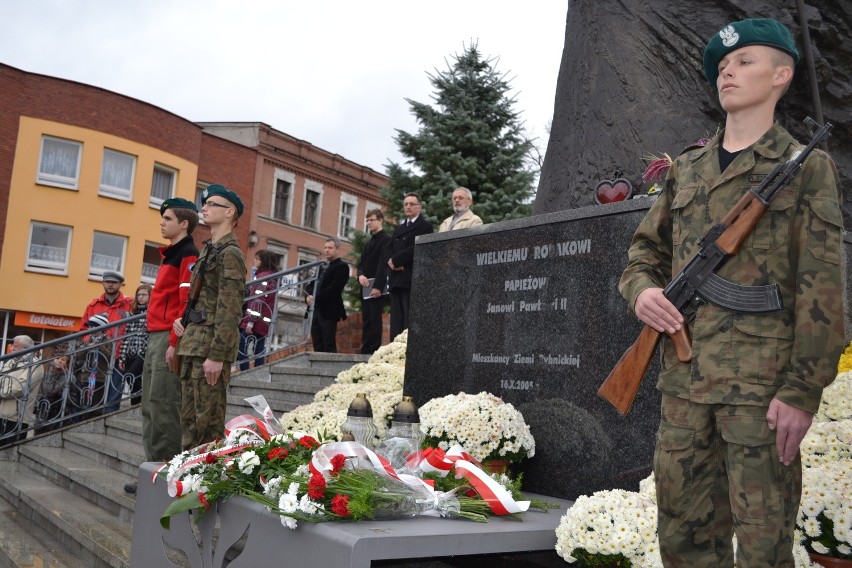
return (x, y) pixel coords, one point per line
(130, 488)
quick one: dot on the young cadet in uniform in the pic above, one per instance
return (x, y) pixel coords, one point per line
(161, 436)
(727, 457)
(210, 341)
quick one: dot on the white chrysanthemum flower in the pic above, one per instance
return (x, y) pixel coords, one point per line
(288, 503)
(302, 471)
(289, 522)
(247, 462)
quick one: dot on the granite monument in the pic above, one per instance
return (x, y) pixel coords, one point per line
(529, 310)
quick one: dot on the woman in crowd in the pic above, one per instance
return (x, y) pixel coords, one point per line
(135, 344)
(56, 376)
(258, 313)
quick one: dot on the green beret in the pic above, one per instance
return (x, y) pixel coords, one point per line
(222, 191)
(177, 203)
(740, 34)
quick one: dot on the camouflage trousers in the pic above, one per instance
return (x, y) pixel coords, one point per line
(202, 406)
(718, 474)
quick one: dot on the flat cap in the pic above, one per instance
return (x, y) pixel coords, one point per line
(177, 203)
(110, 276)
(765, 31)
(222, 191)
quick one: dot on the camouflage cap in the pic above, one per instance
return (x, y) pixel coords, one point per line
(177, 203)
(764, 31)
(222, 191)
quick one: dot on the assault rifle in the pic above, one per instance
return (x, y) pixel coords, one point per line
(194, 293)
(698, 282)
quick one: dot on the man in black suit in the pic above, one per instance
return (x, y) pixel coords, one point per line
(400, 254)
(372, 307)
(328, 303)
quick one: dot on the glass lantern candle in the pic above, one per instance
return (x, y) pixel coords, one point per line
(404, 436)
(359, 421)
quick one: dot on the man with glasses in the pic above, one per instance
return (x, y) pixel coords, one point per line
(210, 340)
(372, 306)
(463, 217)
(399, 251)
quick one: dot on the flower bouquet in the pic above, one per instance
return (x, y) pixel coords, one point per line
(825, 514)
(610, 528)
(301, 479)
(482, 423)
(824, 524)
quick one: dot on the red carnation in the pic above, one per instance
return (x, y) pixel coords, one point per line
(337, 462)
(340, 505)
(308, 442)
(277, 453)
(210, 458)
(316, 486)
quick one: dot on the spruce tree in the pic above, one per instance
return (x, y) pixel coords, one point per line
(471, 137)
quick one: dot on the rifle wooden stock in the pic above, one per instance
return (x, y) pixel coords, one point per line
(174, 367)
(622, 384)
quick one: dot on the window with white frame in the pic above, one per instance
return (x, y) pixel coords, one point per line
(281, 252)
(370, 206)
(117, 174)
(59, 163)
(282, 195)
(162, 185)
(348, 210)
(307, 256)
(48, 248)
(107, 254)
(312, 209)
(151, 260)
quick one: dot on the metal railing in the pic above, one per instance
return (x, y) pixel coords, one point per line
(76, 377)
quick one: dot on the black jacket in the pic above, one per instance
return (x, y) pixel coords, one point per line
(328, 302)
(371, 257)
(400, 249)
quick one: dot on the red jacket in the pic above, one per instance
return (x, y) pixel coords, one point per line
(171, 290)
(259, 310)
(119, 309)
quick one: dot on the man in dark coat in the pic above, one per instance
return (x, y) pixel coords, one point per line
(399, 252)
(328, 303)
(372, 306)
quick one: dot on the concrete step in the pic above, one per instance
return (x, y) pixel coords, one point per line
(85, 530)
(107, 450)
(129, 428)
(24, 544)
(306, 381)
(82, 476)
(322, 361)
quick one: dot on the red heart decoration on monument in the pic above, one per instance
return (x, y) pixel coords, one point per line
(609, 191)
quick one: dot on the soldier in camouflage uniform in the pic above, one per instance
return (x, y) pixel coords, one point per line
(727, 455)
(209, 343)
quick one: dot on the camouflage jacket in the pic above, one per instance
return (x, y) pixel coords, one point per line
(750, 358)
(221, 298)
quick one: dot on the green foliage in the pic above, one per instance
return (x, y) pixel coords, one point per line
(586, 560)
(473, 138)
(352, 293)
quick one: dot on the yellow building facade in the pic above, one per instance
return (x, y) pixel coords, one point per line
(67, 223)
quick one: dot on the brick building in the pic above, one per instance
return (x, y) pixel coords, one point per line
(84, 170)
